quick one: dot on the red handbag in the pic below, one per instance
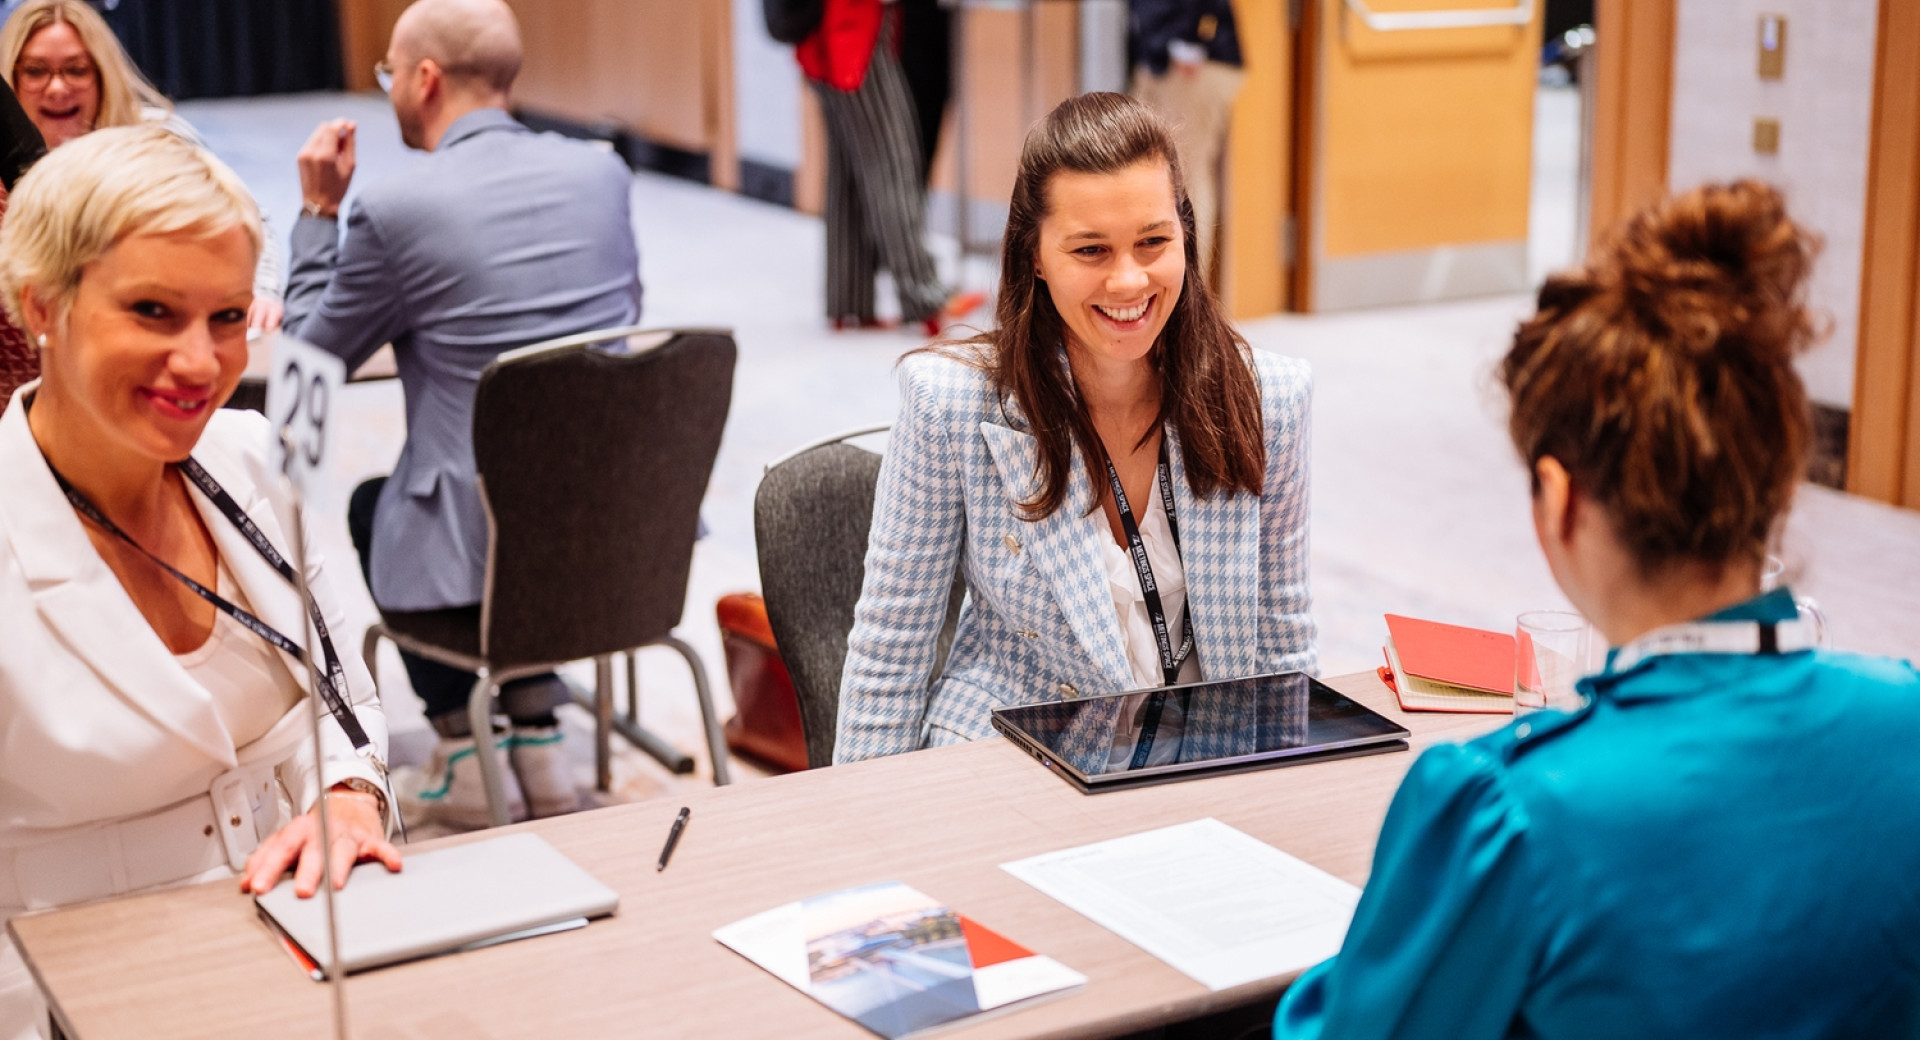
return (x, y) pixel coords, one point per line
(766, 723)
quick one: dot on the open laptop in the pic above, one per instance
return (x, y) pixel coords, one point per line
(459, 898)
(1200, 729)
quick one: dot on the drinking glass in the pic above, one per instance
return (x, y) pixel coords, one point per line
(1810, 613)
(1552, 654)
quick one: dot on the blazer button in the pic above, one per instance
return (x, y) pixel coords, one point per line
(234, 821)
(1068, 691)
(1013, 544)
(208, 831)
(1028, 633)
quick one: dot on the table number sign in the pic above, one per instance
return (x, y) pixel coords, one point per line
(302, 386)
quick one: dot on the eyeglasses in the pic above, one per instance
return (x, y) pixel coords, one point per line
(383, 71)
(33, 75)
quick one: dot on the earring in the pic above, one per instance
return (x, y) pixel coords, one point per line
(42, 341)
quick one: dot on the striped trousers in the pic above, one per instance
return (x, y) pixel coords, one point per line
(876, 205)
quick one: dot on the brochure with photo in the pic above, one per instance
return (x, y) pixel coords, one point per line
(894, 960)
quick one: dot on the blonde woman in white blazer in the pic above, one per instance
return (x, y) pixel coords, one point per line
(151, 737)
(1121, 480)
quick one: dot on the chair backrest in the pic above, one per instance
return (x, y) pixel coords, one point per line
(811, 516)
(594, 453)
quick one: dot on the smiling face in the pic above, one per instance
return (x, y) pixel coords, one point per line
(155, 340)
(1113, 258)
(58, 84)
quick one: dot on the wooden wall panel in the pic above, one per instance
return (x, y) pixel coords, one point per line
(642, 64)
(662, 69)
(718, 95)
(1633, 107)
(1884, 450)
(810, 180)
(1412, 117)
(365, 26)
(1253, 275)
(1004, 100)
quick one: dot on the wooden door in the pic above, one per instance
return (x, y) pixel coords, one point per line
(1254, 251)
(1413, 149)
(1884, 453)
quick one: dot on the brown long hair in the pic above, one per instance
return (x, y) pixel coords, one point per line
(1209, 394)
(1661, 375)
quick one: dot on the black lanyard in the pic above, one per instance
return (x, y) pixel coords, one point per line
(333, 681)
(1170, 659)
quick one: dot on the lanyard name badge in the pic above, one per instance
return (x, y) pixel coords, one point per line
(1170, 658)
(1716, 637)
(332, 678)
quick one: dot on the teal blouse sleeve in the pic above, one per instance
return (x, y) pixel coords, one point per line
(1443, 938)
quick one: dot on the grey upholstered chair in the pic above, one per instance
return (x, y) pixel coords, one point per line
(811, 515)
(594, 452)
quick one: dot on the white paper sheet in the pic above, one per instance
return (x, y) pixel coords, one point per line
(1217, 905)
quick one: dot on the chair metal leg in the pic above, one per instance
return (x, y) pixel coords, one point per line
(603, 723)
(480, 717)
(716, 741)
(672, 758)
(633, 688)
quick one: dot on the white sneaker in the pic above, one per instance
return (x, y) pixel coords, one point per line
(539, 756)
(453, 792)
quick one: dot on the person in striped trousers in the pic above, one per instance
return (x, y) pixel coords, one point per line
(876, 199)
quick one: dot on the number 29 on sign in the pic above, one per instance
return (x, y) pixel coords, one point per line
(304, 383)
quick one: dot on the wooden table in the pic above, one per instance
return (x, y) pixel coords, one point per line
(196, 961)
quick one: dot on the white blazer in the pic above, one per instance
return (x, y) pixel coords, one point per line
(116, 774)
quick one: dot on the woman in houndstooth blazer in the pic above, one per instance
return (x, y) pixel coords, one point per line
(1109, 358)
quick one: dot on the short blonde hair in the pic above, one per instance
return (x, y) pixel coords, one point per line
(124, 92)
(85, 197)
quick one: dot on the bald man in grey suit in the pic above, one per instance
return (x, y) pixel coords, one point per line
(499, 239)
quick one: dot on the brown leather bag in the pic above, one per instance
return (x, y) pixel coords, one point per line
(766, 725)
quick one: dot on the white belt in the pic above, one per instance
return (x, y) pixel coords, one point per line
(186, 839)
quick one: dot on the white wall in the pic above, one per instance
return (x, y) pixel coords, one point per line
(1824, 105)
(767, 87)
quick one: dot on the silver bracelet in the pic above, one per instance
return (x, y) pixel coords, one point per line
(359, 786)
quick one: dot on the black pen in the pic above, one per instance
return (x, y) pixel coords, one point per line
(673, 836)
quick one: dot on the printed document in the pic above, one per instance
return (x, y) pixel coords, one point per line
(1217, 905)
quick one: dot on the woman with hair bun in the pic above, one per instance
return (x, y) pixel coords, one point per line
(1113, 405)
(1719, 843)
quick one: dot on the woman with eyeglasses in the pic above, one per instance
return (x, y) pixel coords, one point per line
(72, 77)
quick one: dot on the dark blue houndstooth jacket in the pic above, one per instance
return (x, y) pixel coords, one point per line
(1039, 621)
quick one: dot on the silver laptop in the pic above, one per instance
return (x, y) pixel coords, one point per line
(478, 894)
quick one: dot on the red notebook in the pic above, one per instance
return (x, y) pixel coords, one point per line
(1471, 657)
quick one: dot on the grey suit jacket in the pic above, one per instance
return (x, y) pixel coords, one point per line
(499, 239)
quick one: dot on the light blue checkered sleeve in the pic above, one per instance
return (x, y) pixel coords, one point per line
(912, 550)
(1287, 632)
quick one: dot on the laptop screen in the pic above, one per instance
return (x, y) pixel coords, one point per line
(1200, 726)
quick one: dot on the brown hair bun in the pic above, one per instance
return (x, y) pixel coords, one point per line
(1661, 374)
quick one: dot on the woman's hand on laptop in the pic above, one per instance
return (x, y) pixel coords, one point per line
(358, 835)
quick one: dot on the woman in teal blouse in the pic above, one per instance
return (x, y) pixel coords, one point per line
(1722, 842)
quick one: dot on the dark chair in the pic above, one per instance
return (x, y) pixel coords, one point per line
(811, 515)
(594, 452)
